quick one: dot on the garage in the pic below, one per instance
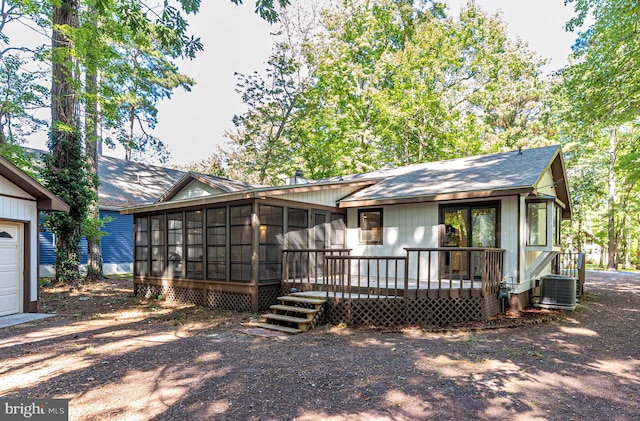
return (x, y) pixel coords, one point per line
(21, 200)
(11, 253)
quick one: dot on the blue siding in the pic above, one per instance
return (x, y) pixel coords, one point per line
(117, 245)
(47, 247)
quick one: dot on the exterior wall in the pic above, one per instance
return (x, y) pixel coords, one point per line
(416, 225)
(18, 206)
(510, 239)
(326, 197)
(117, 247)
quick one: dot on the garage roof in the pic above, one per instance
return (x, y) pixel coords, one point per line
(47, 201)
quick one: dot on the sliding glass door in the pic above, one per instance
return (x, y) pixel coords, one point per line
(473, 225)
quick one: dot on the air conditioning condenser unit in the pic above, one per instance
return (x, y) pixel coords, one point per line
(558, 291)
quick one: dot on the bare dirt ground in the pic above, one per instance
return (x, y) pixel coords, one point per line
(120, 357)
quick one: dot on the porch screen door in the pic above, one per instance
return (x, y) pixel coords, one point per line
(467, 226)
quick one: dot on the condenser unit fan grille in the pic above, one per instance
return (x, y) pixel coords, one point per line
(558, 290)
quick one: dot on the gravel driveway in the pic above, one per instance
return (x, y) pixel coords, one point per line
(117, 357)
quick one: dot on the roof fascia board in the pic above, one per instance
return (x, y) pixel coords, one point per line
(188, 203)
(310, 187)
(260, 193)
(437, 197)
(46, 200)
(182, 183)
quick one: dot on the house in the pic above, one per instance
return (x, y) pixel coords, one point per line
(21, 199)
(422, 243)
(122, 184)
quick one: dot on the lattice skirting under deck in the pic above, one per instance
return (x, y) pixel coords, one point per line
(355, 312)
(418, 311)
(215, 299)
(267, 296)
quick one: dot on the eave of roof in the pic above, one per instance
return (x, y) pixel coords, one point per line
(477, 194)
(255, 193)
(46, 200)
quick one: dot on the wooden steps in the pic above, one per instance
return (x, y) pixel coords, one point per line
(295, 314)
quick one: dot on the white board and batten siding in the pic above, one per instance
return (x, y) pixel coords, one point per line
(416, 226)
(510, 238)
(16, 208)
(324, 197)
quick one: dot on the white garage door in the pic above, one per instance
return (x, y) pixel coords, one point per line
(10, 269)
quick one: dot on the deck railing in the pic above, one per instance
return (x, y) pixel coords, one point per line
(423, 272)
(366, 276)
(570, 264)
(306, 266)
(459, 270)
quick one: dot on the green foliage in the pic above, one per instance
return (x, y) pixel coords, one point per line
(65, 175)
(91, 228)
(20, 95)
(600, 100)
(390, 84)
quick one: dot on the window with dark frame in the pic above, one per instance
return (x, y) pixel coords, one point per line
(195, 245)
(240, 239)
(157, 245)
(338, 229)
(370, 224)
(271, 240)
(141, 266)
(297, 228)
(175, 245)
(217, 244)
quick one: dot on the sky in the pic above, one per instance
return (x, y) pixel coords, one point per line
(192, 124)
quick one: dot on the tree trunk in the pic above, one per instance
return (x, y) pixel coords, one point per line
(94, 252)
(612, 264)
(65, 165)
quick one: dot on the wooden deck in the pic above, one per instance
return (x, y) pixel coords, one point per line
(420, 273)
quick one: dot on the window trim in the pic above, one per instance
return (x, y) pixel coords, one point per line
(544, 245)
(377, 239)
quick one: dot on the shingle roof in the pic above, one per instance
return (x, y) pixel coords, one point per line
(128, 183)
(500, 171)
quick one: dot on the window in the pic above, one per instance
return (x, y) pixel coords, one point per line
(537, 223)
(370, 224)
(217, 244)
(556, 225)
(195, 246)
(468, 225)
(297, 231)
(240, 243)
(157, 245)
(337, 231)
(271, 240)
(175, 244)
(142, 246)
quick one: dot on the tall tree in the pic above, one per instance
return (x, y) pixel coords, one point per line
(22, 93)
(603, 88)
(394, 84)
(65, 170)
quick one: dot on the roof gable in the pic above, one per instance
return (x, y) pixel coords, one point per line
(194, 185)
(46, 200)
(196, 189)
